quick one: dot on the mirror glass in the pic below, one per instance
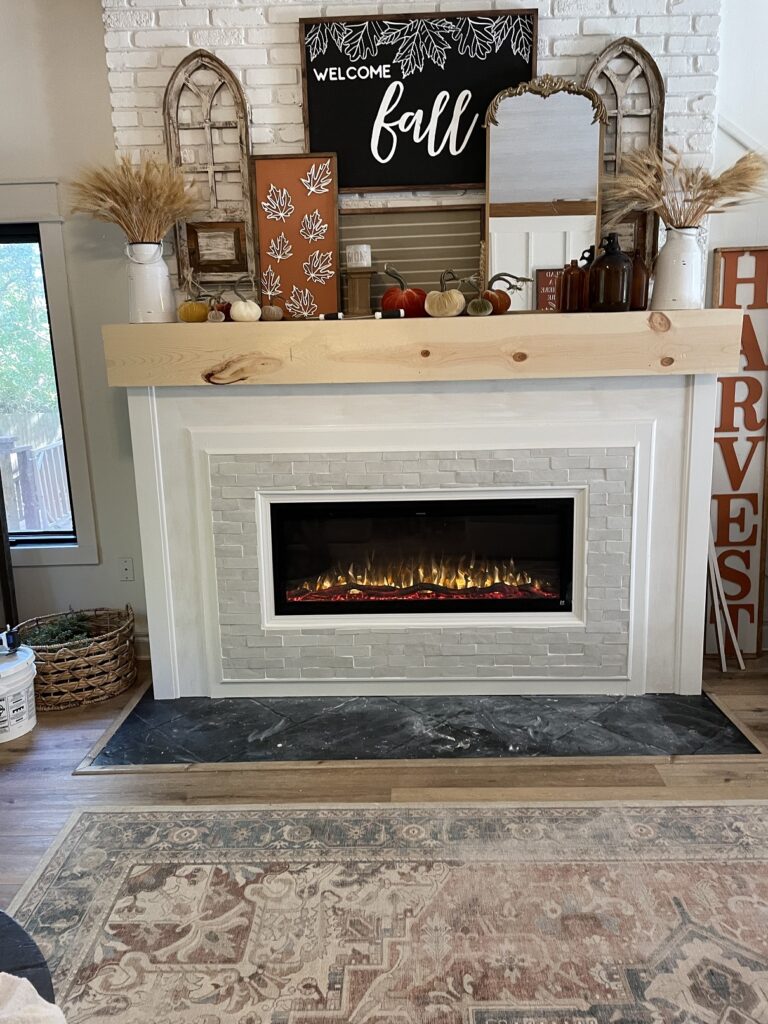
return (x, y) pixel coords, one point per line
(543, 173)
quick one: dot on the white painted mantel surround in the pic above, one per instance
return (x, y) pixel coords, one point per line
(666, 422)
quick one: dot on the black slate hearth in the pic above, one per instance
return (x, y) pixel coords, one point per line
(200, 729)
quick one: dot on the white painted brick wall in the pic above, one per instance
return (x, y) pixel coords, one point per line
(260, 42)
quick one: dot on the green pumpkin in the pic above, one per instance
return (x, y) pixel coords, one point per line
(479, 307)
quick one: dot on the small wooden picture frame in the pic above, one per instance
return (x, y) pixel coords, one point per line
(217, 247)
(548, 282)
(295, 199)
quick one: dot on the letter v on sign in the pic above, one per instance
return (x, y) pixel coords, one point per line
(737, 472)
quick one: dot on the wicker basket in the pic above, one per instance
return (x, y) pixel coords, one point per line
(85, 671)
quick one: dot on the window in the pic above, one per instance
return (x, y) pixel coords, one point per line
(45, 477)
(33, 461)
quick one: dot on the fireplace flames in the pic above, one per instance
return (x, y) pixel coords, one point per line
(423, 579)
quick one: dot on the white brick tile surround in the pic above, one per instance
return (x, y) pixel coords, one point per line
(145, 39)
(598, 649)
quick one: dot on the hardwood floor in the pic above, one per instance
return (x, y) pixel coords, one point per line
(38, 791)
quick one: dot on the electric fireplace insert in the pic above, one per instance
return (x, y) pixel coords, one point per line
(415, 556)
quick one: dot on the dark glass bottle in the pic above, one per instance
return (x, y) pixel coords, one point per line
(610, 278)
(640, 280)
(572, 288)
(587, 258)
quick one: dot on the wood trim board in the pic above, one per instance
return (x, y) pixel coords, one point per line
(513, 347)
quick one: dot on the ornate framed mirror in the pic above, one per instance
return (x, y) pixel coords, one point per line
(544, 162)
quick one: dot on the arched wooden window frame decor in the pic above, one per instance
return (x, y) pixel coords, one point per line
(230, 217)
(645, 227)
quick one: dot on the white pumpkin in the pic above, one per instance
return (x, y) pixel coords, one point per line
(245, 311)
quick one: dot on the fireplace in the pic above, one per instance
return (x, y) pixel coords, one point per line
(416, 555)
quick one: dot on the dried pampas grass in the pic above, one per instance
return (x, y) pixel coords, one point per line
(682, 196)
(144, 199)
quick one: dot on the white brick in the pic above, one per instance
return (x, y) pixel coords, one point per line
(290, 13)
(271, 76)
(688, 124)
(279, 115)
(160, 38)
(289, 96)
(135, 98)
(121, 79)
(695, 6)
(243, 57)
(707, 64)
(183, 19)
(124, 118)
(291, 133)
(558, 28)
(692, 84)
(708, 24)
(117, 40)
(273, 34)
(261, 135)
(127, 19)
(259, 98)
(565, 66)
(285, 55)
(581, 45)
(608, 26)
(586, 8)
(132, 59)
(248, 17)
(171, 55)
(704, 104)
(153, 79)
(212, 38)
(664, 26)
(693, 44)
(139, 137)
(639, 6)
(152, 118)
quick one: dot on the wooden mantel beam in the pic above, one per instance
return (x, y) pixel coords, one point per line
(512, 347)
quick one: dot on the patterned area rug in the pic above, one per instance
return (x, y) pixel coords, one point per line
(408, 915)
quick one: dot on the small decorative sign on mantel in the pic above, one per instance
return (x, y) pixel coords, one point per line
(401, 98)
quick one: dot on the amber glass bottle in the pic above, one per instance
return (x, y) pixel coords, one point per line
(640, 280)
(587, 259)
(610, 278)
(572, 288)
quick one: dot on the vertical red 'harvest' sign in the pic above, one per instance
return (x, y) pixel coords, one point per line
(738, 484)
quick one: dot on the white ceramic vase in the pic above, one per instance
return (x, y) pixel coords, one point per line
(150, 296)
(678, 271)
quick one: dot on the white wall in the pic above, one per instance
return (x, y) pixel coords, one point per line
(742, 113)
(55, 117)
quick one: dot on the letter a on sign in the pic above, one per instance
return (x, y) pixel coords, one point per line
(739, 473)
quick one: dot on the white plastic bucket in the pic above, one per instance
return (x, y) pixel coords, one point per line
(17, 694)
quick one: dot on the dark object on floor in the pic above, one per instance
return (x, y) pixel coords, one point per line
(201, 729)
(20, 955)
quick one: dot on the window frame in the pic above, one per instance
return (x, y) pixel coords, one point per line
(37, 203)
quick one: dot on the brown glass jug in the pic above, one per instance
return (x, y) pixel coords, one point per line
(640, 280)
(610, 278)
(587, 259)
(572, 288)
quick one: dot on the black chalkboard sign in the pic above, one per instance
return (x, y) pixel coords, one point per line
(401, 98)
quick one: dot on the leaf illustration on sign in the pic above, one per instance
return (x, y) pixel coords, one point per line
(363, 39)
(318, 179)
(419, 40)
(280, 248)
(474, 37)
(519, 29)
(270, 283)
(319, 36)
(278, 204)
(301, 303)
(319, 267)
(313, 227)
